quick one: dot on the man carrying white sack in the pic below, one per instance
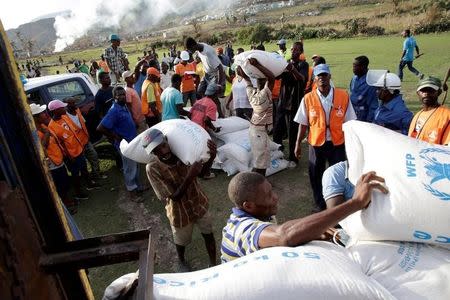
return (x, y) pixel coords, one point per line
(262, 119)
(176, 184)
(249, 228)
(214, 71)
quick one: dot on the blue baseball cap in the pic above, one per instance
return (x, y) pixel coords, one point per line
(320, 69)
(114, 37)
(281, 42)
(152, 139)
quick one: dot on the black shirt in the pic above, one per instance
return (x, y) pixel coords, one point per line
(292, 90)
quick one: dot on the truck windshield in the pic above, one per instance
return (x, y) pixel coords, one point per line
(67, 89)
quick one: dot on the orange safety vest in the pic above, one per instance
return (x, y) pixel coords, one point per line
(309, 81)
(436, 129)
(54, 150)
(82, 133)
(67, 137)
(146, 111)
(317, 119)
(276, 89)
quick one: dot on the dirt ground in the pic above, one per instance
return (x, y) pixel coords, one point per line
(110, 211)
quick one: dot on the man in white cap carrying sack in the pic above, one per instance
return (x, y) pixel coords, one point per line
(214, 70)
(176, 185)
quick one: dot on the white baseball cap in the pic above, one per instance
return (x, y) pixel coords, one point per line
(127, 74)
(37, 109)
(383, 79)
(184, 55)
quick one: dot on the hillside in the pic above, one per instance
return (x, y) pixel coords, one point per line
(40, 33)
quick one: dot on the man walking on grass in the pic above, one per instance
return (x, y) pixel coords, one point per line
(408, 55)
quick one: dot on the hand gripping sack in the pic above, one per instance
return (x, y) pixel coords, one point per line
(318, 270)
(274, 62)
(407, 270)
(417, 175)
(187, 140)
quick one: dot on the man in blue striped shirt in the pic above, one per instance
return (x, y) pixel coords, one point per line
(249, 228)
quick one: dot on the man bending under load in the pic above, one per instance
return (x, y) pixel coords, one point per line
(249, 228)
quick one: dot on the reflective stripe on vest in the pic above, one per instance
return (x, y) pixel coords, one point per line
(317, 119)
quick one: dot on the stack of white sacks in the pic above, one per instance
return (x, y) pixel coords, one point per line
(399, 246)
(234, 152)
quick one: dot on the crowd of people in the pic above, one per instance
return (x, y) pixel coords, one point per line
(300, 103)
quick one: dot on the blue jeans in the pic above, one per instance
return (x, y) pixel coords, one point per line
(410, 67)
(191, 96)
(130, 173)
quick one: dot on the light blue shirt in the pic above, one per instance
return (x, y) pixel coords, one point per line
(335, 182)
(170, 97)
(394, 115)
(409, 45)
(364, 98)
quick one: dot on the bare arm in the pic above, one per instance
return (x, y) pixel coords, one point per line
(300, 231)
(334, 201)
(300, 137)
(230, 99)
(182, 112)
(137, 68)
(193, 172)
(417, 50)
(112, 136)
(220, 73)
(290, 67)
(154, 109)
(209, 123)
(403, 54)
(241, 73)
(444, 84)
(266, 72)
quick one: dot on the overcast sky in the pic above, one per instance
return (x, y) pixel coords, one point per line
(16, 12)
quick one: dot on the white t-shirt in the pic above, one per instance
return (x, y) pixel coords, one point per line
(166, 79)
(209, 58)
(75, 119)
(301, 116)
(239, 89)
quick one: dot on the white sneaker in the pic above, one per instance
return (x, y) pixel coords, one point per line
(291, 164)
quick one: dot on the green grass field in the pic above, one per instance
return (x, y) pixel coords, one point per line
(108, 210)
(383, 52)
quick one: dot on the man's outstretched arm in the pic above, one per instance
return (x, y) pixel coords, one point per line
(300, 231)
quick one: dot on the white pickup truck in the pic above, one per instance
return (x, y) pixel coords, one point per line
(42, 90)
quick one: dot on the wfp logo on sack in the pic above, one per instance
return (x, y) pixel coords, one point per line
(437, 171)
